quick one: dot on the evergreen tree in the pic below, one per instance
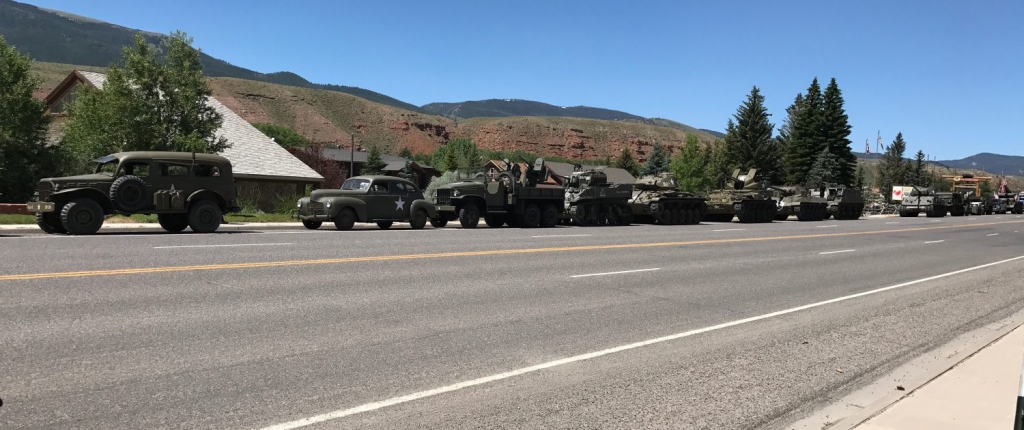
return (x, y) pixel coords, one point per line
(858, 183)
(627, 162)
(893, 170)
(805, 136)
(690, 165)
(787, 130)
(824, 171)
(835, 133)
(719, 167)
(282, 135)
(657, 161)
(24, 158)
(374, 162)
(920, 176)
(749, 141)
(450, 159)
(405, 153)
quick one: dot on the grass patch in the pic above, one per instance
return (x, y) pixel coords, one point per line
(17, 219)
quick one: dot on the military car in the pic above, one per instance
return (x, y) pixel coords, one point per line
(657, 199)
(512, 197)
(746, 199)
(799, 201)
(182, 189)
(383, 200)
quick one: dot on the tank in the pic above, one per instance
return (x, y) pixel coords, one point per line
(799, 201)
(922, 200)
(844, 203)
(746, 199)
(657, 200)
(591, 200)
(954, 202)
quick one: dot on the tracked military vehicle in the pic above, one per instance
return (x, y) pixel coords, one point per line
(799, 201)
(954, 202)
(746, 199)
(844, 203)
(591, 200)
(922, 200)
(1012, 204)
(513, 197)
(657, 200)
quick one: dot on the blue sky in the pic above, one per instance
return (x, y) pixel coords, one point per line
(946, 73)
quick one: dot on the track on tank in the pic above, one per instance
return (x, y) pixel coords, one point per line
(757, 211)
(681, 212)
(596, 213)
(849, 211)
(812, 211)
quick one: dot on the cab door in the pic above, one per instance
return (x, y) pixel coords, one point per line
(402, 195)
(380, 205)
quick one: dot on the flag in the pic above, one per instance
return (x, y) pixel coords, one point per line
(867, 147)
(880, 140)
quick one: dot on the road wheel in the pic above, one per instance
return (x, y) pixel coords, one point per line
(345, 219)
(419, 219)
(173, 223)
(494, 220)
(384, 225)
(469, 216)
(549, 216)
(49, 222)
(82, 216)
(312, 225)
(128, 193)
(531, 216)
(204, 216)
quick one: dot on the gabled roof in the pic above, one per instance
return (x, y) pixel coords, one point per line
(253, 155)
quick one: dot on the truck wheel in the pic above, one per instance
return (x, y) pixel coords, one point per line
(173, 223)
(49, 222)
(345, 219)
(438, 222)
(204, 216)
(512, 220)
(419, 219)
(312, 225)
(494, 220)
(384, 225)
(469, 216)
(82, 216)
(549, 216)
(531, 216)
(128, 193)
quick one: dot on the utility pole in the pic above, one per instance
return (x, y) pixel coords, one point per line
(352, 156)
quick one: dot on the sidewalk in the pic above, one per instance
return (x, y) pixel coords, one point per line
(125, 225)
(979, 393)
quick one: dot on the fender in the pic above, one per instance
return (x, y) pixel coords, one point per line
(341, 202)
(73, 193)
(207, 193)
(425, 205)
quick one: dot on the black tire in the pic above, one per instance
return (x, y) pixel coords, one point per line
(173, 223)
(49, 222)
(512, 221)
(549, 216)
(494, 220)
(345, 219)
(469, 216)
(438, 222)
(312, 225)
(82, 216)
(128, 194)
(204, 216)
(531, 216)
(384, 225)
(419, 219)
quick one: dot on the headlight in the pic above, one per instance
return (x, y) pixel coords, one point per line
(299, 204)
(327, 203)
(455, 193)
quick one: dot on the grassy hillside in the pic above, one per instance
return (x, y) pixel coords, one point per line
(512, 107)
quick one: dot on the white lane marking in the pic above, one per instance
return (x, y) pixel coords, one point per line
(563, 235)
(935, 241)
(994, 234)
(730, 229)
(221, 246)
(372, 406)
(971, 219)
(894, 222)
(614, 273)
(828, 226)
(935, 220)
(836, 252)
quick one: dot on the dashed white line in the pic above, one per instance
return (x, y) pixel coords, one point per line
(221, 246)
(994, 234)
(372, 406)
(828, 226)
(935, 220)
(614, 273)
(935, 241)
(837, 252)
(890, 223)
(563, 235)
(730, 229)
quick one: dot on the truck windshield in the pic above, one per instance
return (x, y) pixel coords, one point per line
(356, 184)
(470, 174)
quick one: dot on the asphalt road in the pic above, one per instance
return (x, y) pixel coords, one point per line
(750, 326)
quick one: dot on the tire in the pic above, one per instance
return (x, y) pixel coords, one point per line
(438, 222)
(82, 216)
(204, 216)
(345, 219)
(531, 216)
(513, 221)
(128, 194)
(312, 225)
(419, 219)
(384, 225)
(49, 222)
(494, 220)
(549, 216)
(173, 223)
(469, 216)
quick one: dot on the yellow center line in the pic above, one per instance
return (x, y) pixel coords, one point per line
(292, 263)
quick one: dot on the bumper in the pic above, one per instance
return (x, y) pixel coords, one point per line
(40, 206)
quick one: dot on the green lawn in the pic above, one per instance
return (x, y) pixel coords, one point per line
(261, 217)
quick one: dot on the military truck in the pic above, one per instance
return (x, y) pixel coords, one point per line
(657, 200)
(184, 190)
(922, 200)
(844, 203)
(954, 202)
(383, 200)
(746, 199)
(591, 200)
(1018, 204)
(799, 201)
(1011, 202)
(512, 197)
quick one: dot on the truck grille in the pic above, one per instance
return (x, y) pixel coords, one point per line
(444, 197)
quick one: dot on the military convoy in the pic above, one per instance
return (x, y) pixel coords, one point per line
(657, 200)
(746, 199)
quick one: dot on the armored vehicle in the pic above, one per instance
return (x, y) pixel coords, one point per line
(512, 197)
(591, 200)
(657, 199)
(746, 199)
(799, 201)
(1018, 204)
(844, 203)
(182, 189)
(922, 200)
(1013, 205)
(953, 201)
(378, 199)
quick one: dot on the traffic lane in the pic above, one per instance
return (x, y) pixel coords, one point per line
(763, 375)
(38, 256)
(411, 333)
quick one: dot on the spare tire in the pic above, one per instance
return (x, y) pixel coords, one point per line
(128, 193)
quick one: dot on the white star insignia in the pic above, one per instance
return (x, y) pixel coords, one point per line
(399, 205)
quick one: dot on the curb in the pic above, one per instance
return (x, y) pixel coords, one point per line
(126, 226)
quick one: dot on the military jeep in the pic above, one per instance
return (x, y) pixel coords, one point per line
(379, 199)
(182, 189)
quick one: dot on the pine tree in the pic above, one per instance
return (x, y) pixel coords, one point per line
(835, 133)
(805, 141)
(657, 161)
(690, 166)
(405, 153)
(920, 176)
(24, 158)
(787, 132)
(893, 170)
(749, 141)
(374, 162)
(824, 170)
(627, 162)
(858, 183)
